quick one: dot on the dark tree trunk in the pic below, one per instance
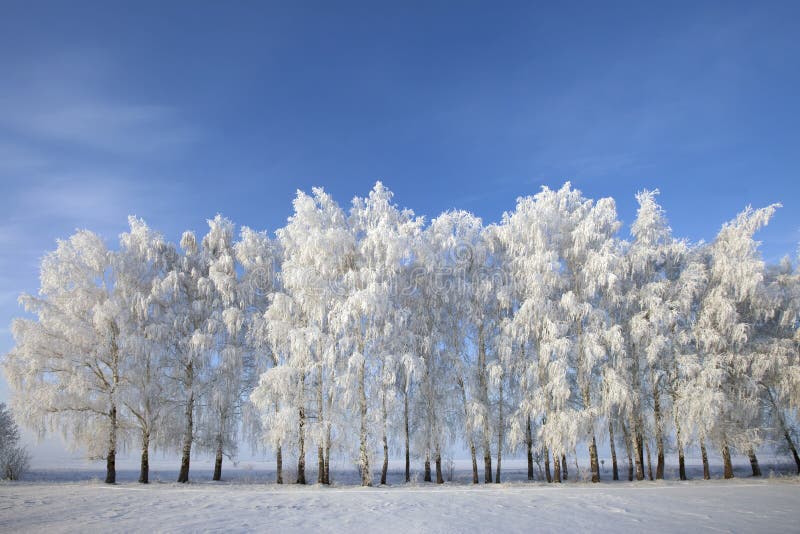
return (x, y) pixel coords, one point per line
(614, 467)
(659, 431)
(500, 431)
(301, 449)
(111, 457)
(726, 462)
(385, 467)
(784, 428)
(218, 461)
(649, 462)
(704, 456)
(547, 465)
(754, 462)
(279, 466)
(439, 477)
(556, 468)
(681, 459)
(628, 450)
(595, 466)
(638, 448)
(792, 448)
(564, 469)
(427, 475)
(320, 465)
(327, 467)
(484, 393)
(188, 437)
(408, 450)
(144, 466)
(529, 446)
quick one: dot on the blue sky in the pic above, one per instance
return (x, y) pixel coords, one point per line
(175, 111)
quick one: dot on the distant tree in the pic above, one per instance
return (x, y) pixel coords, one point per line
(14, 459)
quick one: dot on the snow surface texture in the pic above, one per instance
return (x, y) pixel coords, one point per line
(65, 501)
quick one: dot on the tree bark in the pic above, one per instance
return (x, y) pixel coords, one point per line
(784, 428)
(439, 477)
(726, 461)
(218, 460)
(681, 459)
(188, 436)
(301, 447)
(638, 449)
(649, 462)
(279, 466)
(564, 469)
(407, 440)
(754, 462)
(556, 468)
(144, 466)
(529, 446)
(659, 431)
(468, 424)
(628, 449)
(427, 475)
(704, 456)
(111, 458)
(366, 475)
(500, 436)
(484, 393)
(614, 467)
(547, 465)
(593, 459)
(385, 467)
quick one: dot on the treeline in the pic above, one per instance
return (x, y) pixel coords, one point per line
(356, 334)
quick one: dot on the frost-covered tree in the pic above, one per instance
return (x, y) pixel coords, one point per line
(143, 260)
(66, 367)
(14, 459)
(188, 290)
(725, 400)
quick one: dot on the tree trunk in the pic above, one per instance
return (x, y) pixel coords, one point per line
(547, 465)
(754, 462)
(628, 449)
(301, 447)
(218, 460)
(529, 446)
(468, 424)
(726, 461)
(638, 450)
(278, 466)
(188, 436)
(427, 475)
(593, 459)
(366, 475)
(556, 468)
(484, 393)
(500, 431)
(659, 431)
(405, 423)
(111, 458)
(681, 459)
(439, 477)
(564, 469)
(321, 417)
(649, 462)
(614, 467)
(704, 456)
(784, 428)
(144, 466)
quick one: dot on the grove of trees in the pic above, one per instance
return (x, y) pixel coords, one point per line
(365, 333)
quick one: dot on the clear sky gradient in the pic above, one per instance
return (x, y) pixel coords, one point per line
(175, 111)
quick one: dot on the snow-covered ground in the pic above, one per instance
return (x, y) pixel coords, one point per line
(70, 500)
